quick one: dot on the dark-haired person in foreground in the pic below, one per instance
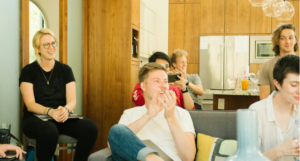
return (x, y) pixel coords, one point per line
(159, 120)
(277, 113)
(183, 100)
(284, 42)
(8, 147)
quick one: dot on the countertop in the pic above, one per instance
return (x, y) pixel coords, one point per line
(232, 92)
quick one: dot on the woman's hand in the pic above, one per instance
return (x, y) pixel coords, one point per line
(55, 114)
(64, 114)
(289, 148)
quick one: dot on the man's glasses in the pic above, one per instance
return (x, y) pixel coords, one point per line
(47, 45)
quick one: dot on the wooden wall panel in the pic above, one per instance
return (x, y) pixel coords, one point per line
(254, 68)
(25, 32)
(297, 21)
(63, 31)
(193, 69)
(107, 63)
(176, 28)
(192, 32)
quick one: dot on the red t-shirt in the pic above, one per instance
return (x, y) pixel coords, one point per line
(138, 98)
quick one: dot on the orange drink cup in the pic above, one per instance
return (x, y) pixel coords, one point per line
(244, 84)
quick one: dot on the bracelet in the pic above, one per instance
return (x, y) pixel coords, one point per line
(48, 111)
(186, 90)
(67, 109)
(187, 83)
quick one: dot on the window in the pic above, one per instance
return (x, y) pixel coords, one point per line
(36, 22)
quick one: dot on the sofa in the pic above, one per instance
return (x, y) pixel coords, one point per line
(220, 124)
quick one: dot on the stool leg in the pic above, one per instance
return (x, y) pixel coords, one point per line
(72, 157)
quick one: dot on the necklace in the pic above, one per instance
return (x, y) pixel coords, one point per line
(50, 75)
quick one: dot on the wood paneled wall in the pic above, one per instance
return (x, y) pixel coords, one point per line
(106, 63)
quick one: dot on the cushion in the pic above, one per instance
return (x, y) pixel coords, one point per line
(214, 149)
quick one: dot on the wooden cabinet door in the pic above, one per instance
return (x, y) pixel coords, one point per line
(297, 22)
(192, 69)
(192, 1)
(134, 78)
(176, 1)
(212, 17)
(276, 23)
(237, 16)
(259, 22)
(135, 12)
(192, 32)
(176, 27)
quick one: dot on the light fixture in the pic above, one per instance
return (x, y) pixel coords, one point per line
(259, 3)
(273, 8)
(288, 11)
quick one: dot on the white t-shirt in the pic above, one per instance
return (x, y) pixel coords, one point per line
(269, 131)
(157, 130)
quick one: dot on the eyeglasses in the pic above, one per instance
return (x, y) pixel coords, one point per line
(47, 45)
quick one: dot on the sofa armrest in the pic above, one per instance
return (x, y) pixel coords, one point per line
(101, 155)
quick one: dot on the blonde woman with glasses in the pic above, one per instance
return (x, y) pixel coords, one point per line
(48, 87)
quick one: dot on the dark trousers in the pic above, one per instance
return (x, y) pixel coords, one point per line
(46, 135)
(197, 106)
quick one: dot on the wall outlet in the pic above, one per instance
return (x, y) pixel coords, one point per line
(221, 103)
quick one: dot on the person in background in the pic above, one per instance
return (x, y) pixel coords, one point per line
(284, 41)
(193, 81)
(8, 147)
(277, 113)
(159, 120)
(48, 87)
(183, 100)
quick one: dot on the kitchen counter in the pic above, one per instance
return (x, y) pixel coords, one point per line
(231, 92)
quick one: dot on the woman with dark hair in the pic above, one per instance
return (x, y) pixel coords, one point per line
(277, 113)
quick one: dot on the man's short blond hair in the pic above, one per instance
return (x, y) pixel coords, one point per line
(147, 68)
(177, 53)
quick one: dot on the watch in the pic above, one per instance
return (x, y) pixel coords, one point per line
(187, 83)
(186, 90)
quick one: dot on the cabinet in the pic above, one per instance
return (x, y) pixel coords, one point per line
(185, 35)
(259, 23)
(184, 1)
(135, 67)
(176, 27)
(192, 32)
(237, 16)
(297, 22)
(135, 12)
(212, 16)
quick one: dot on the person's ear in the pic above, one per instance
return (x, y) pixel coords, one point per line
(174, 65)
(143, 86)
(277, 85)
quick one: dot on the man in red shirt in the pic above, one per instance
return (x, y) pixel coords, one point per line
(183, 100)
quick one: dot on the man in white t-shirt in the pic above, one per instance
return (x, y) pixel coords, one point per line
(159, 120)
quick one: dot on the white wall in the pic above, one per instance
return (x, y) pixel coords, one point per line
(50, 10)
(161, 8)
(10, 67)
(75, 48)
